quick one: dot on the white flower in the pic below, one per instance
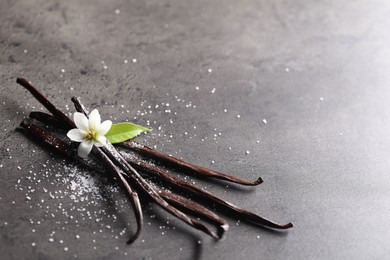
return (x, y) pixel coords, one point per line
(89, 132)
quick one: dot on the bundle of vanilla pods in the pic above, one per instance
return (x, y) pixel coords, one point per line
(130, 172)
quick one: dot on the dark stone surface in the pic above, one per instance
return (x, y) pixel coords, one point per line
(317, 71)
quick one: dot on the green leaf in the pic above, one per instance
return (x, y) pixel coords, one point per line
(124, 131)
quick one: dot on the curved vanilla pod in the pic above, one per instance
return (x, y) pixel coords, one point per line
(189, 167)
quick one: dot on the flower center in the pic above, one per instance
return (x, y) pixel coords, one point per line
(91, 135)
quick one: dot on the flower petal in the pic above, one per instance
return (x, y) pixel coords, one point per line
(104, 127)
(75, 135)
(84, 149)
(100, 141)
(94, 119)
(81, 121)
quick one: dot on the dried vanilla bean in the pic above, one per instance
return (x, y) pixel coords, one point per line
(188, 167)
(45, 118)
(133, 195)
(61, 117)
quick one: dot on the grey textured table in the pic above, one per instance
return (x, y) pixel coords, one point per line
(303, 86)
